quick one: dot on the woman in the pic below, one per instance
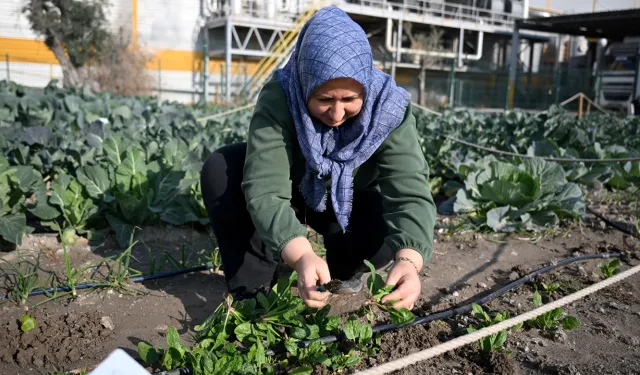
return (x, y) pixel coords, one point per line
(333, 145)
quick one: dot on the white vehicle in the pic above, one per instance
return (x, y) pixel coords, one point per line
(618, 83)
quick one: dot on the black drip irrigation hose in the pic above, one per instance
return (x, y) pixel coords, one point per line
(612, 224)
(445, 314)
(136, 279)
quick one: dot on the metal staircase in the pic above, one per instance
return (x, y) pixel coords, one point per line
(280, 52)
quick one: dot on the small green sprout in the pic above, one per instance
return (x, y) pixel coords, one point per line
(27, 323)
(553, 319)
(611, 268)
(493, 342)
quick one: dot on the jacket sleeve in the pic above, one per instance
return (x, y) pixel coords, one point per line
(408, 206)
(267, 181)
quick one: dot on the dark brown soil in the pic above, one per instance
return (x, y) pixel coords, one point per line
(70, 334)
(57, 341)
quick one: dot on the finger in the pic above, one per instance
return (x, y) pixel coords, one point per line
(397, 295)
(407, 301)
(323, 274)
(394, 277)
(314, 295)
(403, 304)
(315, 304)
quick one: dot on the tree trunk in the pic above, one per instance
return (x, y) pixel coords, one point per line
(421, 79)
(70, 75)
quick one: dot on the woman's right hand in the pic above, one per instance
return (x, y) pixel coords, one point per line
(310, 268)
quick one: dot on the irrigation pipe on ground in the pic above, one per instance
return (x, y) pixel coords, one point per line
(225, 113)
(475, 336)
(136, 279)
(612, 224)
(557, 160)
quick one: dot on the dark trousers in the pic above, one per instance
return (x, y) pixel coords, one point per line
(248, 265)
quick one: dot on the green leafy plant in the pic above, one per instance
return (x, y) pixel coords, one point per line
(377, 291)
(550, 288)
(611, 268)
(75, 207)
(493, 342)
(239, 334)
(553, 319)
(27, 323)
(531, 196)
(13, 222)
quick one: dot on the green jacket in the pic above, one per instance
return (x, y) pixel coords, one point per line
(274, 160)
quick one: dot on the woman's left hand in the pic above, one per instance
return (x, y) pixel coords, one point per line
(404, 275)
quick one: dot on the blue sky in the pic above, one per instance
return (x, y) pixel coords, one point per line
(581, 6)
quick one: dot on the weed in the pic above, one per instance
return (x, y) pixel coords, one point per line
(216, 260)
(72, 274)
(611, 268)
(23, 278)
(493, 342)
(119, 274)
(553, 319)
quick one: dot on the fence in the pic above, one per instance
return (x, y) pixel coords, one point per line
(489, 89)
(483, 89)
(167, 84)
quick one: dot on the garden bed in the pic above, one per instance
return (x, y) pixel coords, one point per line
(72, 334)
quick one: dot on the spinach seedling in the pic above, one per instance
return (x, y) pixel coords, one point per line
(550, 288)
(493, 342)
(378, 290)
(611, 268)
(553, 319)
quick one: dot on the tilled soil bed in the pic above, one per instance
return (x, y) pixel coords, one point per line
(72, 334)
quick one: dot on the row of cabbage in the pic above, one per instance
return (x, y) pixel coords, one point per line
(91, 164)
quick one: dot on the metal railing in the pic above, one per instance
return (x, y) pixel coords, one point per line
(287, 11)
(280, 50)
(436, 9)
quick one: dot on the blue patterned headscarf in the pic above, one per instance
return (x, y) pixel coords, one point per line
(331, 45)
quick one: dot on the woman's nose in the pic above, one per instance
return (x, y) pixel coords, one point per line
(337, 112)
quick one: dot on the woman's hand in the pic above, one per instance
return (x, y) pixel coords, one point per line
(310, 268)
(405, 276)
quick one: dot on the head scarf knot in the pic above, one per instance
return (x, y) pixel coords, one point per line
(331, 45)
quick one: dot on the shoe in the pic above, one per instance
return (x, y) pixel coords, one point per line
(352, 286)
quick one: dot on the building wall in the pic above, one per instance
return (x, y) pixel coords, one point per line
(168, 29)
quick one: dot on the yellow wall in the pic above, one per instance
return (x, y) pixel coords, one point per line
(35, 51)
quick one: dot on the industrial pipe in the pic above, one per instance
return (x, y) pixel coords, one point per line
(451, 55)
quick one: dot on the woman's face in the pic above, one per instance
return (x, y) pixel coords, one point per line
(336, 101)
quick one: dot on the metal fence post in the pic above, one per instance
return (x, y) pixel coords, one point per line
(452, 83)
(159, 80)
(599, 85)
(558, 85)
(6, 56)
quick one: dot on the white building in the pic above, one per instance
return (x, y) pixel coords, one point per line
(241, 32)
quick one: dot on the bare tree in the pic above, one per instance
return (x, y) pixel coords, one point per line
(75, 31)
(122, 67)
(431, 43)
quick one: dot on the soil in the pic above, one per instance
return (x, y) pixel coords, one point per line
(75, 333)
